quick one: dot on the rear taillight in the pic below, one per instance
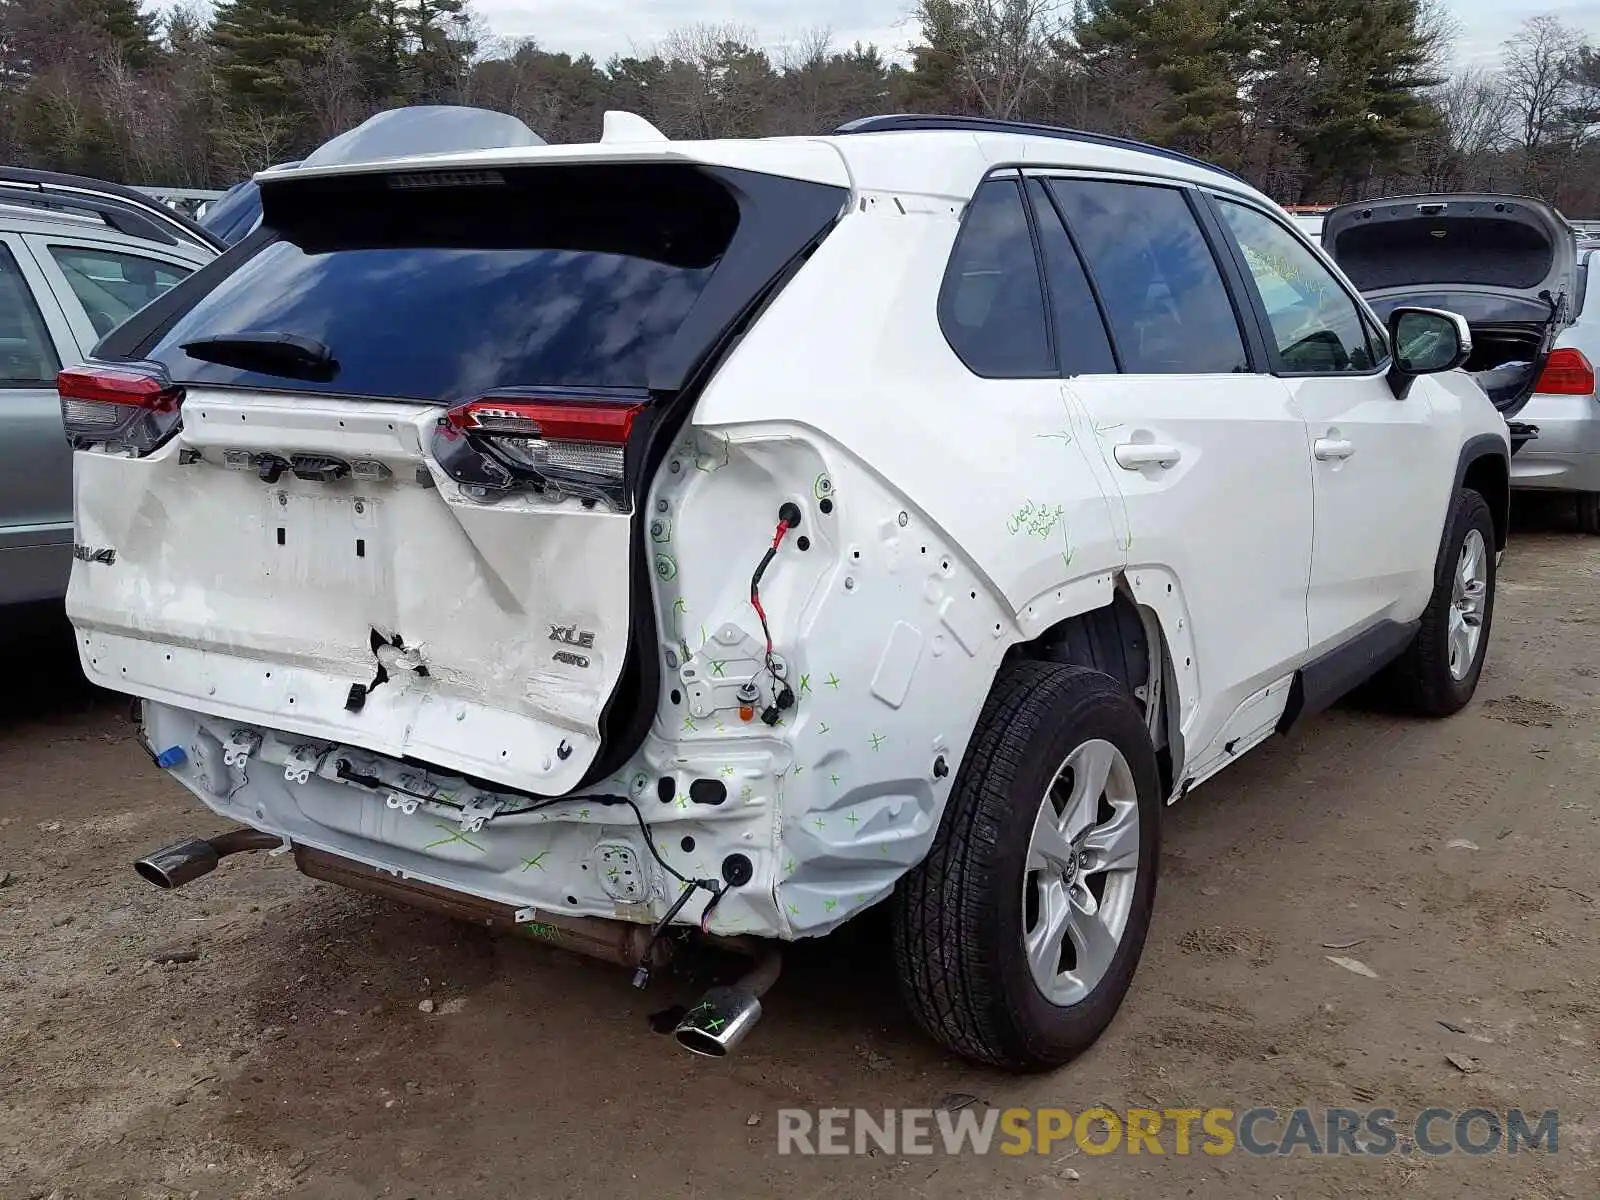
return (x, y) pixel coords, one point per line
(1567, 372)
(122, 409)
(556, 447)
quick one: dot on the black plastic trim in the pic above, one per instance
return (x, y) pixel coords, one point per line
(1484, 445)
(1039, 192)
(1248, 314)
(787, 220)
(912, 122)
(1322, 682)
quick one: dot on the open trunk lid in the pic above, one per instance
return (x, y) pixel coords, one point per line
(1506, 263)
(379, 478)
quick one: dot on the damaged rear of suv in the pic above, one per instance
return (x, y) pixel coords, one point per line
(645, 542)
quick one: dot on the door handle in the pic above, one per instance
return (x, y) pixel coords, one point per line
(1135, 456)
(1332, 449)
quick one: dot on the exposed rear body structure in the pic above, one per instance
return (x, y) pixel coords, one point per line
(730, 535)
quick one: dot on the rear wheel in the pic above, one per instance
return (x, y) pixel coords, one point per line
(1588, 512)
(1018, 936)
(1439, 671)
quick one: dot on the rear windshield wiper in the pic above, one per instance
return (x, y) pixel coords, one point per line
(286, 354)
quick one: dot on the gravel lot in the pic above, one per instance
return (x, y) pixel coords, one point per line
(284, 1053)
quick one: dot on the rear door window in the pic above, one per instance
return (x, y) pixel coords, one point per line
(1081, 339)
(992, 303)
(27, 357)
(566, 276)
(1169, 310)
(112, 286)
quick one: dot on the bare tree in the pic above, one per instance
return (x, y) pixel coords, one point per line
(1002, 48)
(1538, 74)
(250, 140)
(717, 83)
(331, 89)
(1475, 118)
(144, 131)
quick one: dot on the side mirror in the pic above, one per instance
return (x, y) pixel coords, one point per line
(1426, 341)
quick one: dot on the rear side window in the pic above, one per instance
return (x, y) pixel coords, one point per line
(441, 288)
(1081, 338)
(1163, 292)
(992, 303)
(27, 359)
(111, 286)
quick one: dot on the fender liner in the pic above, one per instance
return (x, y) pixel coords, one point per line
(1481, 446)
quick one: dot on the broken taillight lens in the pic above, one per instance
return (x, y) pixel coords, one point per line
(558, 447)
(126, 409)
(1567, 372)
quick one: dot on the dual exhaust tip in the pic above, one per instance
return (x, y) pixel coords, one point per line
(713, 1028)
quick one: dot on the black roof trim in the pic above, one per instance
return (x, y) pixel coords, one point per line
(125, 210)
(901, 122)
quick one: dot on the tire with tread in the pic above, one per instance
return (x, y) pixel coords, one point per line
(957, 917)
(1420, 679)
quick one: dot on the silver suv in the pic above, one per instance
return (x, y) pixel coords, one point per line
(77, 258)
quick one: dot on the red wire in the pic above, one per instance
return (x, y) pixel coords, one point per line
(755, 587)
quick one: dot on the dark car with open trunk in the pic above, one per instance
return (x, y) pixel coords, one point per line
(1508, 264)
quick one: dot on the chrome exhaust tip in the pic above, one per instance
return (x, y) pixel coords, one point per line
(715, 1026)
(183, 862)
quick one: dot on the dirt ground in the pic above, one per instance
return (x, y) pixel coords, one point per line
(289, 1057)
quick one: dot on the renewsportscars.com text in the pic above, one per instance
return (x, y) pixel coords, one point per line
(1181, 1131)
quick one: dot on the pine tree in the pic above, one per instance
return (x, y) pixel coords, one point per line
(1194, 49)
(1364, 67)
(36, 35)
(939, 80)
(261, 43)
(441, 47)
(131, 32)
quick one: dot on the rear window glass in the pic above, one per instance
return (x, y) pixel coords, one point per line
(442, 288)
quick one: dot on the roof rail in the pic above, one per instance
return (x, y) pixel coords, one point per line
(898, 122)
(122, 208)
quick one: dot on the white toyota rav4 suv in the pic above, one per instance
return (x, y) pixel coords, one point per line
(640, 542)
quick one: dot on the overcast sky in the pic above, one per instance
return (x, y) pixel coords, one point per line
(606, 27)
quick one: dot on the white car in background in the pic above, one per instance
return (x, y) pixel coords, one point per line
(1564, 409)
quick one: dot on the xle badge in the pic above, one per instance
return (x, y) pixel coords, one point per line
(571, 635)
